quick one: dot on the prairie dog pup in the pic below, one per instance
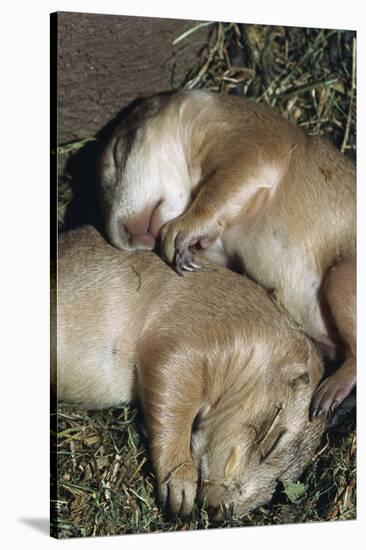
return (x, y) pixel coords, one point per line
(207, 350)
(222, 173)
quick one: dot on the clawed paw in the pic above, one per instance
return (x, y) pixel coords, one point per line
(184, 261)
(180, 239)
(178, 490)
(330, 394)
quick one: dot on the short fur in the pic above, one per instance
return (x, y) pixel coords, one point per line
(204, 169)
(224, 382)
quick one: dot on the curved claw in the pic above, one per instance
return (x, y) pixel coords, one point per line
(330, 395)
(183, 261)
(179, 270)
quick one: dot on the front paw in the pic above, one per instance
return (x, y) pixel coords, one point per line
(180, 239)
(178, 490)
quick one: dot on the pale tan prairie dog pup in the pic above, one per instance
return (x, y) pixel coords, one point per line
(209, 350)
(206, 170)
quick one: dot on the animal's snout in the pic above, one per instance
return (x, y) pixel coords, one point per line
(136, 228)
(214, 506)
(215, 513)
(144, 241)
(213, 494)
(138, 224)
(143, 228)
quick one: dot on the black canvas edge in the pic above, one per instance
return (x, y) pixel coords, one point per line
(53, 265)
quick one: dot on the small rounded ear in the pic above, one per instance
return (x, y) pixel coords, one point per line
(232, 462)
(307, 373)
(299, 376)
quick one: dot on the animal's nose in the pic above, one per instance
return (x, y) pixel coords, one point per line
(215, 513)
(149, 220)
(138, 224)
(137, 229)
(213, 496)
(145, 241)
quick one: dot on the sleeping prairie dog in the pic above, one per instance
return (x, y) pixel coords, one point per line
(225, 384)
(201, 170)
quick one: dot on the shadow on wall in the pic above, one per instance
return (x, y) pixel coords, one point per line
(81, 174)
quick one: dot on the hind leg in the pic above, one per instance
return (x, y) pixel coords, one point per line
(340, 292)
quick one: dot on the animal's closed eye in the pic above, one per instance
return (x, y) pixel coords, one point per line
(270, 448)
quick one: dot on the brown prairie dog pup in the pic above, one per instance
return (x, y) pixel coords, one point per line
(209, 350)
(209, 171)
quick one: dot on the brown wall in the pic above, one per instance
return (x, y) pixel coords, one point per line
(106, 61)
